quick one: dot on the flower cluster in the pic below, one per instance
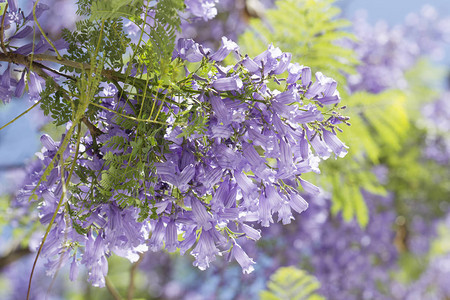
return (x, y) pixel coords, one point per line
(350, 262)
(231, 20)
(438, 128)
(386, 53)
(205, 9)
(204, 185)
(19, 40)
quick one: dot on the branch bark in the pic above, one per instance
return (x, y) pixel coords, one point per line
(133, 270)
(112, 290)
(26, 60)
(13, 256)
(109, 74)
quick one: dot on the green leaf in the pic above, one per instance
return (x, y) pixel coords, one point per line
(291, 283)
(2, 8)
(111, 9)
(308, 29)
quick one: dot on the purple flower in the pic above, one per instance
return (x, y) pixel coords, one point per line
(287, 97)
(20, 86)
(6, 78)
(220, 110)
(230, 154)
(330, 94)
(189, 240)
(268, 60)
(319, 146)
(323, 84)
(286, 165)
(6, 94)
(310, 188)
(225, 49)
(98, 272)
(74, 269)
(188, 50)
(202, 8)
(246, 184)
(285, 213)
(22, 33)
(306, 76)
(34, 86)
(252, 156)
(220, 131)
(242, 258)
(171, 236)
(294, 73)
(205, 251)
(339, 148)
(170, 173)
(304, 146)
(227, 84)
(49, 143)
(282, 66)
(250, 65)
(201, 216)
(14, 15)
(265, 211)
(307, 114)
(40, 9)
(12, 4)
(297, 202)
(251, 232)
(157, 238)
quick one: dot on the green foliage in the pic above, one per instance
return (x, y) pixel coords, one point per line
(98, 41)
(84, 7)
(162, 29)
(2, 7)
(416, 181)
(381, 123)
(310, 30)
(101, 39)
(380, 126)
(424, 84)
(54, 104)
(126, 168)
(197, 124)
(289, 283)
(110, 9)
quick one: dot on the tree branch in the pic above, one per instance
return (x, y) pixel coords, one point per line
(13, 256)
(25, 60)
(112, 289)
(95, 132)
(133, 270)
(2, 29)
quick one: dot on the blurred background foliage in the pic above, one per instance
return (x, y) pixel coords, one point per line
(384, 207)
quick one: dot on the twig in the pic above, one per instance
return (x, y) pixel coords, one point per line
(13, 256)
(52, 70)
(133, 269)
(63, 146)
(13, 120)
(112, 289)
(25, 60)
(129, 117)
(109, 74)
(42, 30)
(12, 166)
(95, 132)
(2, 29)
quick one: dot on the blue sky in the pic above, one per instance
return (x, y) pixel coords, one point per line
(392, 11)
